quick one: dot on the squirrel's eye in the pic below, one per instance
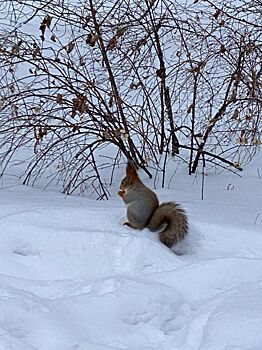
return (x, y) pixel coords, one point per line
(124, 181)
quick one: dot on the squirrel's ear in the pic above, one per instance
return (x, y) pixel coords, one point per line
(131, 168)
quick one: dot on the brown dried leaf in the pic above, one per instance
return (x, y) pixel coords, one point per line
(195, 69)
(75, 128)
(189, 110)
(12, 88)
(249, 116)
(42, 28)
(59, 99)
(106, 134)
(46, 23)
(36, 51)
(135, 86)
(48, 20)
(216, 14)
(223, 48)
(53, 38)
(243, 140)
(70, 47)
(257, 142)
(236, 114)
(92, 39)
(110, 102)
(15, 49)
(79, 104)
(120, 31)
(82, 62)
(112, 43)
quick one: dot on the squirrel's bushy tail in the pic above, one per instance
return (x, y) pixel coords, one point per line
(175, 219)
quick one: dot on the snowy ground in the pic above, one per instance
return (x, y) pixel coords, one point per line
(73, 278)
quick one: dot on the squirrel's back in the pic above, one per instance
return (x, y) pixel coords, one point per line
(172, 220)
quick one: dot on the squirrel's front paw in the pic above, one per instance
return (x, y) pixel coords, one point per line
(121, 193)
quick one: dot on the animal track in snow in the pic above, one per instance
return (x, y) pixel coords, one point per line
(24, 249)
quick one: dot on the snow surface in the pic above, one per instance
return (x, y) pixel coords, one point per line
(72, 277)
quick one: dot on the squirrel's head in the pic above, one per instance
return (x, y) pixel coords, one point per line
(131, 176)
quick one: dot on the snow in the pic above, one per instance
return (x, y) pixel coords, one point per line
(73, 277)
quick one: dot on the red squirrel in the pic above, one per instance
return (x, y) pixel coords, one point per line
(143, 209)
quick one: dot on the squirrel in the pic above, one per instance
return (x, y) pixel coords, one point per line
(143, 209)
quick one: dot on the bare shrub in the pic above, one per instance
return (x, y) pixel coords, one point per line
(85, 82)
